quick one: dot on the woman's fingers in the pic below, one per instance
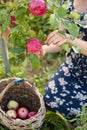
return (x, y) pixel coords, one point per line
(40, 54)
(55, 40)
(51, 35)
(61, 42)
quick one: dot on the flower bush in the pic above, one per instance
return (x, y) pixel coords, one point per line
(28, 21)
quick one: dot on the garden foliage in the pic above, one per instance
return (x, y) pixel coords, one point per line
(24, 25)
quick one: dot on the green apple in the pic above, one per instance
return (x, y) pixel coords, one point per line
(12, 105)
(12, 114)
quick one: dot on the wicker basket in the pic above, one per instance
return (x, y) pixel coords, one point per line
(26, 95)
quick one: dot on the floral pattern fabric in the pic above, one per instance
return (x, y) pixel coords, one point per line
(66, 91)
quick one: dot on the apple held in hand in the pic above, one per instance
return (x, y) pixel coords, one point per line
(37, 7)
(34, 45)
(22, 112)
(12, 114)
(30, 114)
(12, 104)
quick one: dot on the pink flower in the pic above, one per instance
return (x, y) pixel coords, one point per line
(37, 7)
(34, 45)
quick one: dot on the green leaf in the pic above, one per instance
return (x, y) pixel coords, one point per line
(76, 49)
(17, 50)
(40, 34)
(50, 3)
(72, 28)
(54, 21)
(26, 61)
(79, 128)
(66, 4)
(74, 15)
(3, 12)
(62, 32)
(55, 2)
(35, 61)
(20, 11)
(66, 47)
(61, 12)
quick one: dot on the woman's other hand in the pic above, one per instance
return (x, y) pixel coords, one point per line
(48, 49)
(56, 38)
(42, 52)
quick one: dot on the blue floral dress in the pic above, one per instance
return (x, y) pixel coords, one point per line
(66, 91)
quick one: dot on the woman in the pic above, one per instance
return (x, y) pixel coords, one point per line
(66, 91)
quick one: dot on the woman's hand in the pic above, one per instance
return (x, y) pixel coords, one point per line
(48, 49)
(42, 52)
(56, 38)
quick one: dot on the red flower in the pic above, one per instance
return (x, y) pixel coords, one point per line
(37, 7)
(34, 45)
(13, 20)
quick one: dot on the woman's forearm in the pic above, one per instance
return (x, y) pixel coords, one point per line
(81, 44)
(52, 48)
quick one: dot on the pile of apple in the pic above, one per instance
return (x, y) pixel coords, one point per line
(14, 111)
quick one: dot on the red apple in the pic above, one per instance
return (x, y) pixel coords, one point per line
(37, 7)
(12, 114)
(12, 104)
(30, 114)
(22, 112)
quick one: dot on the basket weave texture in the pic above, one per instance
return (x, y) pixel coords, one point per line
(27, 95)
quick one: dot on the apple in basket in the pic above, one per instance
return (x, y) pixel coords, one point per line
(30, 114)
(22, 112)
(12, 114)
(12, 104)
